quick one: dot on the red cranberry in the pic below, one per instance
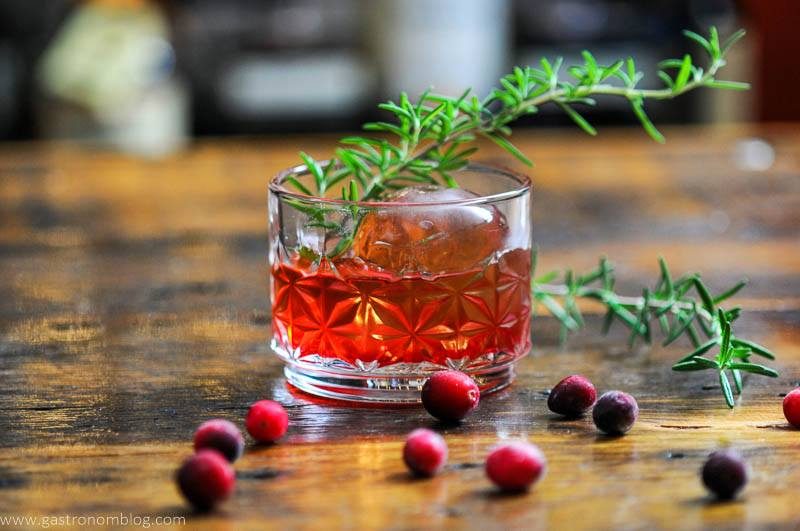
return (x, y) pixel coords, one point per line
(615, 412)
(450, 395)
(791, 407)
(425, 452)
(515, 466)
(572, 396)
(266, 421)
(221, 435)
(725, 473)
(205, 479)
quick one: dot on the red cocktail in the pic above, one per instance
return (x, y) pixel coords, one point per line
(367, 302)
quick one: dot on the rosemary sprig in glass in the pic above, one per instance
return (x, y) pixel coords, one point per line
(432, 140)
(678, 307)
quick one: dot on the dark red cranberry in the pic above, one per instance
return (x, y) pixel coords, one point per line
(450, 395)
(725, 473)
(425, 452)
(205, 479)
(221, 435)
(266, 421)
(791, 407)
(572, 396)
(515, 466)
(615, 412)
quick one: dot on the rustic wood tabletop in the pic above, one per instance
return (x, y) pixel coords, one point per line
(134, 305)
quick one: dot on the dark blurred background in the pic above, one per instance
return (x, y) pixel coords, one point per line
(147, 76)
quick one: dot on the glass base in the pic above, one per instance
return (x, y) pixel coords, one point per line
(384, 388)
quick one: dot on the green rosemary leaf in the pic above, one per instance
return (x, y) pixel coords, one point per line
(725, 346)
(327, 225)
(546, 67)
(608, 320)
(726, 389)
(558, 312)
(699, 39)
(730, 292)
(693, 336)
(733, 39)
(432, 115)
(695, 364)
(547, 277)
(684, 321)
(663, 323)
(670, 63)
(638, 109)
(631, 71)
(755, 347)
(713, 41)
(315, 170)
(448, 179)
(668, 82)
(297, 184)
(611, 70)
(665, 275)
(755, 368)
(387, 127)
(737, 381)
(578, 119)
(727, 85)
(511, 148)
(395, 109)
(705, 296)
(699, 351)
(683, 74)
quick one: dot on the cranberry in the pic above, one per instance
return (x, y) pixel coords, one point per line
(205, 479)
(266, 421)
(725, 473)
(615, 412)
(791, 407)
(425, 452)
(221, 435)
(572, 396)
(450, 395)
(515, 466)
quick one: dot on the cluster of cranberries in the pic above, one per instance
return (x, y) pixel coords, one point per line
(614, 413)
(450, 396)
(513, 466)
(207, 477)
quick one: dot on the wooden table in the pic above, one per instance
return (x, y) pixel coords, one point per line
(133, 306)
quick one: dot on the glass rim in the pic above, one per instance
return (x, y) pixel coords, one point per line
(276, 186)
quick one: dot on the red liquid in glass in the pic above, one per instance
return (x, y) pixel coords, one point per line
(352, 313)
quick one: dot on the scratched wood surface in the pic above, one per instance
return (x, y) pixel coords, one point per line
(133, 305)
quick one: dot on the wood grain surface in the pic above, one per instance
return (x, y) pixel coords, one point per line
(134, 305)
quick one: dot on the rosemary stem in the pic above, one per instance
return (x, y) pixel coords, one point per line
(606, 296)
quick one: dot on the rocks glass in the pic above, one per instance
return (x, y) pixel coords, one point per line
(370, 298)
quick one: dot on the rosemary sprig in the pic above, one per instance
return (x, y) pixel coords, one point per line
(432, 135)
(678, 307)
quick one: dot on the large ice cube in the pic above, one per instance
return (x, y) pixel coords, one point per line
(430, 239)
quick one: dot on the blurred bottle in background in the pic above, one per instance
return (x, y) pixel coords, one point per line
(446, 45)
(108, 76)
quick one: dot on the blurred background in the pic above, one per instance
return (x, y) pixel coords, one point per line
(146, 77)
